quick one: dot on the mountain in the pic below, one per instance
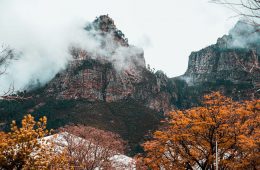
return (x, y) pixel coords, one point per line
(111, 88)
(100, 79)
(231, 66)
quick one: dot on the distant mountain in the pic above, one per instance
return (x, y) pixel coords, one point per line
(232, 65)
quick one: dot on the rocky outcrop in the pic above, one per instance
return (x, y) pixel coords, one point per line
(234, 57)
(231, 65)
(95, 81)
(104, 79)
(214, 63)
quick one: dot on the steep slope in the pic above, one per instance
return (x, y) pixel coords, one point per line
(231, 65)
(118, 74)
(231, 58)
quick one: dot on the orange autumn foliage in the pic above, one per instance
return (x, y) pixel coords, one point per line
(189, 139)
(25, 147)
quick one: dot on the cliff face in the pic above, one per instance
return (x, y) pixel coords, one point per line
(214, 63)
(231, 65)
(108, 78)
(235, 57)
(96, 81)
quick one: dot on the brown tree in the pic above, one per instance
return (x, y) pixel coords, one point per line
(221, 131)
(88, 147)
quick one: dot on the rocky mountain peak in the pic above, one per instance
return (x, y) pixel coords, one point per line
(242, 28)
(106, 25)
(120, 74)
(232, 64)
(242, 35)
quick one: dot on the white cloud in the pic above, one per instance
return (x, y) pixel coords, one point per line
(168, 30)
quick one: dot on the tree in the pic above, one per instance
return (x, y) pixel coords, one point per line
(25, 147)
(189, 139)
(32, 147)
(6, 56)
(88, 147)
(248, 9)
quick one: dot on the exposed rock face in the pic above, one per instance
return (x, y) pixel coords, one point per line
(95, 81)
(234, 58)
(102, 79)
(231, 66)
(214, 63)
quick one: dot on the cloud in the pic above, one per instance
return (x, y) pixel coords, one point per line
(41, 30)
(243, 35)
(42, 40)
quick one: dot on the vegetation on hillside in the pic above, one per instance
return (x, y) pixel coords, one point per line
(129, 118)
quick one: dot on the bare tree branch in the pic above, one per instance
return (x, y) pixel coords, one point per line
(248, 9)
(90, 148)
(6, 56)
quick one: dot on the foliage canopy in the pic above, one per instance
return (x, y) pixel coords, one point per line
(189, 139)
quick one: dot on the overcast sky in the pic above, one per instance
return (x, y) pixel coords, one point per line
(168, 30)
